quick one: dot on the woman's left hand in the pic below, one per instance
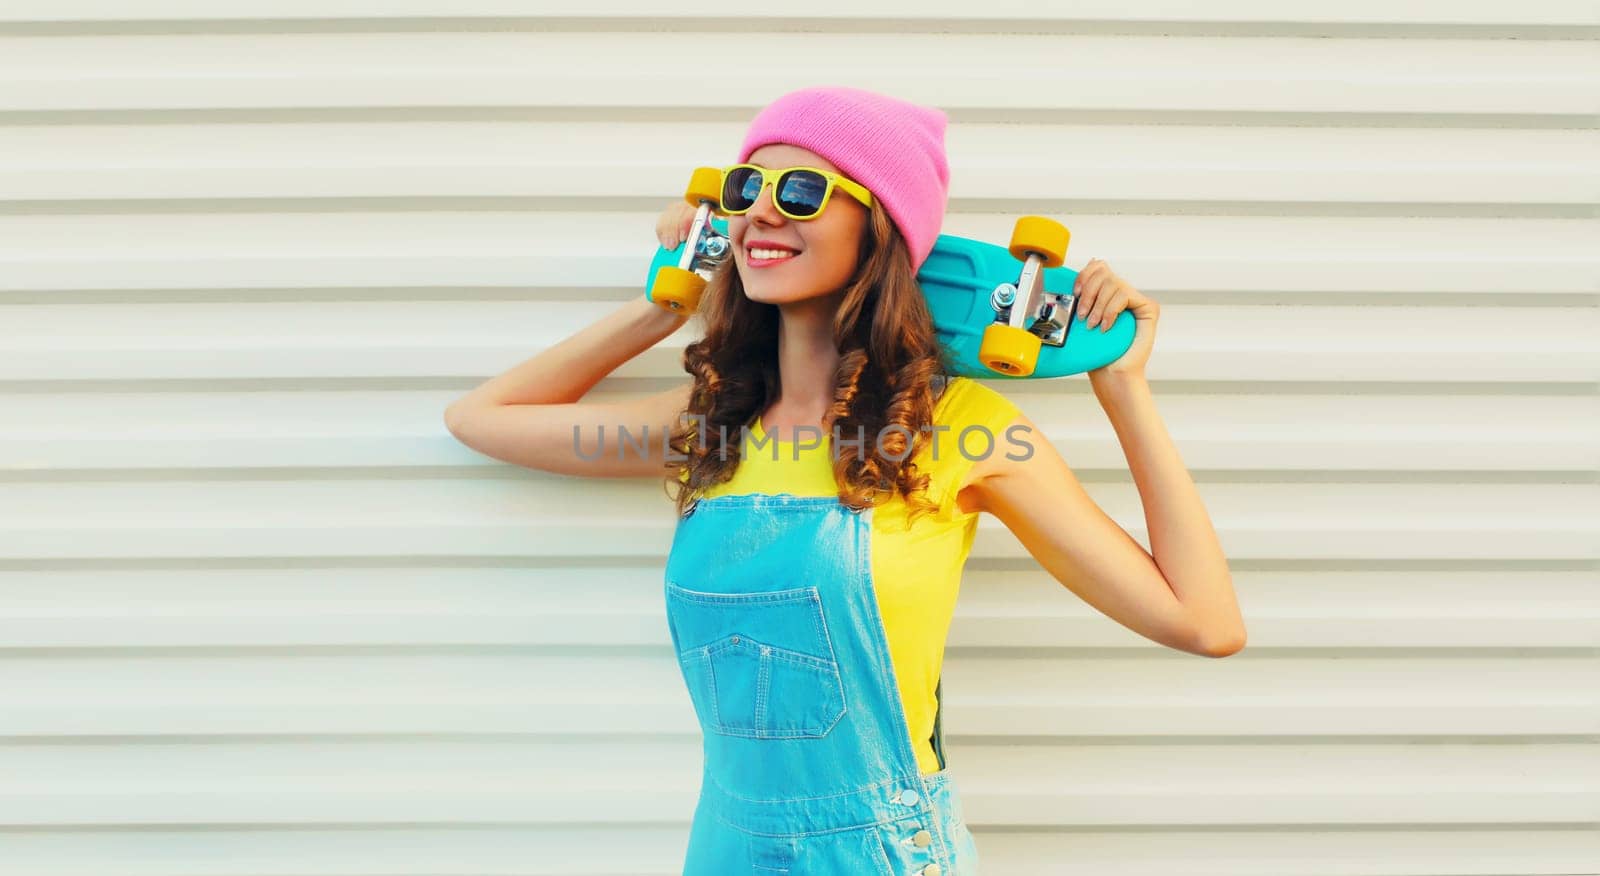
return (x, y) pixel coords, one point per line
(1102, 295)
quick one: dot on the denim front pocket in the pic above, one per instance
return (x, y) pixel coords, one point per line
(757, 664)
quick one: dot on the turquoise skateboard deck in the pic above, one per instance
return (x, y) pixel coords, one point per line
(969, 285)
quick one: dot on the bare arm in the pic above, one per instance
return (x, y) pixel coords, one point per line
(527, 415)
(1182, 596)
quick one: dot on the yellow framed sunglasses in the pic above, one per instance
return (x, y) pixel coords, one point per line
(799, 192)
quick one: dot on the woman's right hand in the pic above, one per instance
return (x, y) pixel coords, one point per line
(673, 224)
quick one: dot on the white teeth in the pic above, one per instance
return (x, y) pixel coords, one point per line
(770, 253)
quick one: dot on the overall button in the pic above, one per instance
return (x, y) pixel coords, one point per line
(909, 797)
(922, 838)
(931, 870)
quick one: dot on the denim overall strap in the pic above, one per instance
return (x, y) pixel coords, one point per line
(808, 767)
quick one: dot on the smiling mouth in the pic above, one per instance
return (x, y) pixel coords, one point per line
(772, 257)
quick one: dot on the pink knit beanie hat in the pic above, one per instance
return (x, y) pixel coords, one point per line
(894, 148)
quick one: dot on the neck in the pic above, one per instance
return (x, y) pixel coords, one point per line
(807, 358)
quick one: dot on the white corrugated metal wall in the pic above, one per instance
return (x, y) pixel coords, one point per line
(261, 614)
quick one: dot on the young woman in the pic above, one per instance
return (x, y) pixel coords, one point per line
(828, 481)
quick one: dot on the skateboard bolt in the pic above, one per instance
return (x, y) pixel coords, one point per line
(1004, 294)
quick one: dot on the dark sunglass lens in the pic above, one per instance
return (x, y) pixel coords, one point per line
(801, 192)
(741, 188)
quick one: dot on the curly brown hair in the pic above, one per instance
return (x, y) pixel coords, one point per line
(889, 358)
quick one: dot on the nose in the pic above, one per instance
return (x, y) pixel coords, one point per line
(765, 209)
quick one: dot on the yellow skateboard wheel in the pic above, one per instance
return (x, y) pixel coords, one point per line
(705, 185)
(677, 290)
(1009, 350)
(1042, 235)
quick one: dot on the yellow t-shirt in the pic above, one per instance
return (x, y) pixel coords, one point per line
(916, 572)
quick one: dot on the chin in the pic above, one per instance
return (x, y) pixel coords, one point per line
(768, 297)
(768, 292)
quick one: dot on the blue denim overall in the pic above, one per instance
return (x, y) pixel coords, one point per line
(809, 769)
